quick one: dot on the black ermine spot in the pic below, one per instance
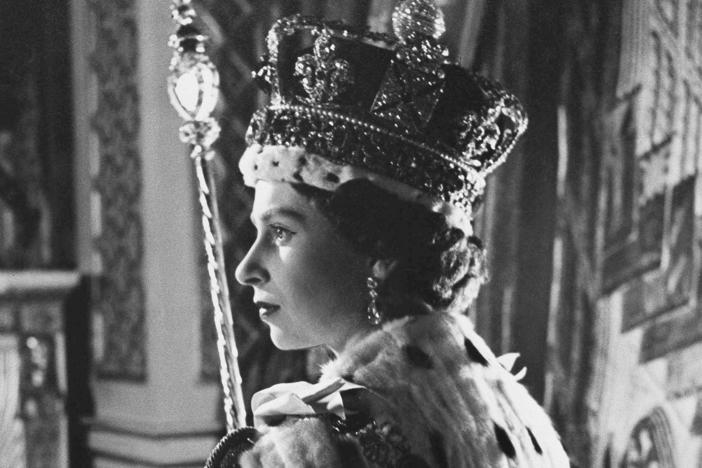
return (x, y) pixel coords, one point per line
(437, 447)
(504, 441)
(417, 357)
(535, 442)
(348, 377)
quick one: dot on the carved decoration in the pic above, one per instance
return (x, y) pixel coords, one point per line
(120, 293)
(664, 100)
(642, 261)
(12, 440)
(684, 376)
(32, 369)
(666, 134)
(637, 246)
(42, 408)
(650, 444)
(669, 10)
(680, 270)
(634, 197)
(675, 133)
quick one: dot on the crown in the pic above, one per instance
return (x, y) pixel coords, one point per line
(392, 108)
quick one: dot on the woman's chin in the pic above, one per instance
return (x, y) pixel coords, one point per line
(285, 342)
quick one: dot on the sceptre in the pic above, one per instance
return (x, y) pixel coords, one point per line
(193, 87)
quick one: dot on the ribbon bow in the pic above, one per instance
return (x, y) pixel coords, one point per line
(299, 399)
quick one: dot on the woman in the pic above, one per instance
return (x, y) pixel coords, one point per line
(366, 164)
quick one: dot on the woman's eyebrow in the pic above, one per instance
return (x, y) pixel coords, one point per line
(280, 211)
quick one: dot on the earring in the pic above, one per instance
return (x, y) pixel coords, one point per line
(372, 310)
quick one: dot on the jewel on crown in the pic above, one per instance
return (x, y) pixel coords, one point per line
(390, 104)
(323, 76)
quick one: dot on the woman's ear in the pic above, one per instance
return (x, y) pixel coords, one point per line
(381, 268)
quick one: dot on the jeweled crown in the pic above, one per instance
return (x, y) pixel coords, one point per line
(393, 105)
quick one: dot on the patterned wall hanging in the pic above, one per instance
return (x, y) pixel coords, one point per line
(118, 185)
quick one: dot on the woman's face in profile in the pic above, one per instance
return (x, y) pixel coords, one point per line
(309, 284)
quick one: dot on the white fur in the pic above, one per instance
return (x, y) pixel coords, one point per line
(257, 163)
(454, 399)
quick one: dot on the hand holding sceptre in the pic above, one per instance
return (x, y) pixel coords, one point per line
(193, 87)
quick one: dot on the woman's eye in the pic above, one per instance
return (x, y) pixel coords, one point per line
(280, 234)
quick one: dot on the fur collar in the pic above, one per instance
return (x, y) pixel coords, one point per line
(440, 383)
(432, 378)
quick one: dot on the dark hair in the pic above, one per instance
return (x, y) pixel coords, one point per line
(437, 265)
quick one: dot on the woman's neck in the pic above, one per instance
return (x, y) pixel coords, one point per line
(353, 334)
(392, 309)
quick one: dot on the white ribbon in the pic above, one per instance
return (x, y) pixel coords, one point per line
(300, 399)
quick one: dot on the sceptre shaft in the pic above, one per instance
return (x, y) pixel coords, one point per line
(193, 86)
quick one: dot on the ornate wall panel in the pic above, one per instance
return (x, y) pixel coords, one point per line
(672, 93)
(664, 88)
(33, 419)
(650, 443)
(120, 292)
(684, 373)
(12, 436)
(627, 326)
(651, 187)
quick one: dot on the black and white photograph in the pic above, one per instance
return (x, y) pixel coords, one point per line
(350, 234)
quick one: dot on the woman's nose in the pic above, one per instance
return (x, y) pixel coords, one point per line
(250, 270)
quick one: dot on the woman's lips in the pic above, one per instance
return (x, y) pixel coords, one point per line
(266, 308)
